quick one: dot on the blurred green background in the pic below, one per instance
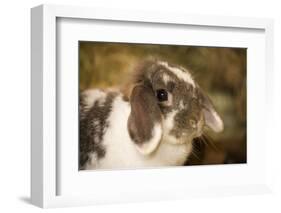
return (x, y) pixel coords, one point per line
(221, 73)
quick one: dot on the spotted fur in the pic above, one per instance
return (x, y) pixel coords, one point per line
(93, 123)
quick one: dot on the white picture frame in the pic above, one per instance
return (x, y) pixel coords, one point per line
(45, 157)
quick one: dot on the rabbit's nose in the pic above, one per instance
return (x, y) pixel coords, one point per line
(193, 123)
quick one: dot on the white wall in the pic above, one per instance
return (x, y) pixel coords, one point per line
(15, 98)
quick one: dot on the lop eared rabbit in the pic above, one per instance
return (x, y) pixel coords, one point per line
(152, 126)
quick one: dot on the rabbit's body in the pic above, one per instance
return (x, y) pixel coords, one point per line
(153, 125)
(119, 149)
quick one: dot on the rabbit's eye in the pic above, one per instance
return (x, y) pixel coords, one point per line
(162, 95)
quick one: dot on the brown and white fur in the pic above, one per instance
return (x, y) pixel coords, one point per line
(137, 130)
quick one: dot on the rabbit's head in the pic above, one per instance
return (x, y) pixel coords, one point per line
(168, 105)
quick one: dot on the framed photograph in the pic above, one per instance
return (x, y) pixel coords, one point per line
(131, 106)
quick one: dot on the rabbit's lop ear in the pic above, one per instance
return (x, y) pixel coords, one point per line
(145, 120)
(212, 118)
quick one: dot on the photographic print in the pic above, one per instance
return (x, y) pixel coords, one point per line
(154, 105)
(150, 97)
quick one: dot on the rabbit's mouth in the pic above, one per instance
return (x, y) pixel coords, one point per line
(179, 139)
